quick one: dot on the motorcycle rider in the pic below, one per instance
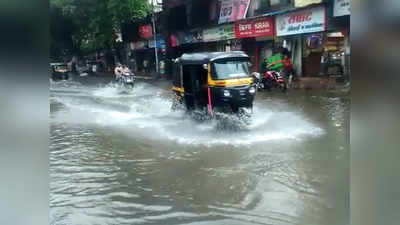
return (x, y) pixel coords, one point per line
(127, 76)
(126, 71)
(118, 71)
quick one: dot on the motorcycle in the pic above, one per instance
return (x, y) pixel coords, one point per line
(274, 79)
(127, 80)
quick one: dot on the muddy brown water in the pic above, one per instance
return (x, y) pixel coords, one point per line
(121, 157)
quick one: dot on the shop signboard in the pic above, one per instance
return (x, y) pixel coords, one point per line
(193, 36)
(160, 43)
(255, 28)
(232, 10)
(303, 21)
(341, 8)
(219, 33)
(303, 3)
(146, 31)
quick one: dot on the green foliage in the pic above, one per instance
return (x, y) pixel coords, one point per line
(95, 22)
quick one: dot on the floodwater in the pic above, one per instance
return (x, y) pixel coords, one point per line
(125, 158)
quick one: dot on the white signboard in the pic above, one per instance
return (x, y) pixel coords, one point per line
(341, 8)
(303, 3)
(303, 21)
(223, 32)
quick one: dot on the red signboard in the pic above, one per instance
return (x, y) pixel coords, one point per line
(255, 28)
(146, 31)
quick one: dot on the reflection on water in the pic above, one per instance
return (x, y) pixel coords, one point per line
(121, 157)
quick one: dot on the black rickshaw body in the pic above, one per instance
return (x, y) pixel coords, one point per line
(59, 71)
(213, 81)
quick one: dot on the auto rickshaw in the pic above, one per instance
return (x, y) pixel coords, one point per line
(213, 82)
(59, 71)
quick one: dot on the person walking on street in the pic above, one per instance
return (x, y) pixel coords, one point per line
(288, 69)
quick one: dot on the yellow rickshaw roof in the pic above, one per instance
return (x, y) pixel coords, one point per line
(206, 57)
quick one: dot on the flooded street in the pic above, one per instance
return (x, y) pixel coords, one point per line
(125, 158)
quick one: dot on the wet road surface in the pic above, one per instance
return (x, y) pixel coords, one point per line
(125, 158)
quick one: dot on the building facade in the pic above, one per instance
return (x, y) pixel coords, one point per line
(315, 33)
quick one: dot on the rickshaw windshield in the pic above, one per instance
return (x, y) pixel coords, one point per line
(230, 68)
(60, 67)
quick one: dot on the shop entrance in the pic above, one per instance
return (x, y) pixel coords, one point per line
(323, 55)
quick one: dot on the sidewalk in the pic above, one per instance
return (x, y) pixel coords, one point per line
(327, 83)
(308, 83)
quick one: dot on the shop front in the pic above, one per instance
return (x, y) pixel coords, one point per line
(142, 58)
(160, 46)
(256, 37)
(219, 39)
(302, 34)
(185, 42)
(338, 40)
(181, 42)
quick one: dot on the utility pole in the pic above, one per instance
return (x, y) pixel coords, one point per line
(155, 35)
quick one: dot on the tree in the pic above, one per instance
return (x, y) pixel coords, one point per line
(61, 29)
(96, 22)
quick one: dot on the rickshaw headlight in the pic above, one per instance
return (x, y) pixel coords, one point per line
(227, 93)
(252, 90)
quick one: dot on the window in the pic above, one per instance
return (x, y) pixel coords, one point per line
(230, 68)
(264, 6)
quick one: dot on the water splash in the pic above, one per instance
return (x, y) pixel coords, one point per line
(145, 111)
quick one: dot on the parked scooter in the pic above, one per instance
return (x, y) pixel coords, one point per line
(274, 79)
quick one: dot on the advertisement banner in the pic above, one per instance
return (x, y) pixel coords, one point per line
(232, 10)
(223, 32)
(341, 8)
(255, 28)
(146, 31)
(303, 21)
(302, 3)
